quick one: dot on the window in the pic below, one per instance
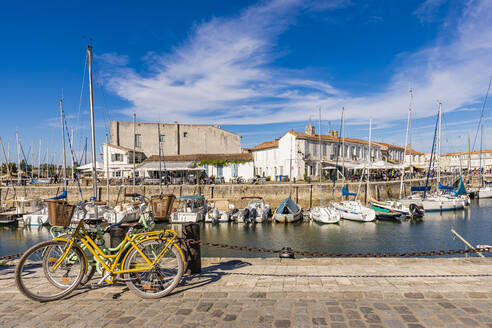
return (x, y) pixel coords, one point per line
(116, 157)
(185, 134)
(138, 140)
(306, 147)
(220, 173)
(162, 138)
(324, 149)
(315, 149)
(117, 174)
(235, 169)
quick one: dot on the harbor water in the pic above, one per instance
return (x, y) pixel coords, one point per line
(433, 232)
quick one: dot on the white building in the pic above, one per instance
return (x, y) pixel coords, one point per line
(120, 161)
(187, 168)
(298, 154)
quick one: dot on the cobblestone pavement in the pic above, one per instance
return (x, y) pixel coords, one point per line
(280, 293)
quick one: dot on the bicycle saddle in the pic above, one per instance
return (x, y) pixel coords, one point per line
(93, 221)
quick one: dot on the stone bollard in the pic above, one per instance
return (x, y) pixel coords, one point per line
(191, 231)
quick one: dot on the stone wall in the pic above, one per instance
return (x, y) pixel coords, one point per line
(307, 195)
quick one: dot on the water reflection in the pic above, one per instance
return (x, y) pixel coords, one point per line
(430, 233)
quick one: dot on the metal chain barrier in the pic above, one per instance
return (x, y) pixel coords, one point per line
(10, 257)
(319, 254)
(341, 255)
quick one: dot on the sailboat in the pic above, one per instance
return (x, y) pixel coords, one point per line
(409, 206)
(323, 214)
(484, 190)
(440, 202)
(352, 209)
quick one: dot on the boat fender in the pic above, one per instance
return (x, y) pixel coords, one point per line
(286, 253)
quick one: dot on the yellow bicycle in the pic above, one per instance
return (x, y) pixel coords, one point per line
(150, 263)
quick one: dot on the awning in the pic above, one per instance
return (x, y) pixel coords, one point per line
(88, 167)
(169, 166)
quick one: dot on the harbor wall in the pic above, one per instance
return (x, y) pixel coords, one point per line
(306, 194)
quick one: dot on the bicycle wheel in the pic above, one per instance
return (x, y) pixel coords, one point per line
(160, 280)
(36, 277)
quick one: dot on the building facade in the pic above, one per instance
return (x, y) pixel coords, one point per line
(299, 154)
(174, 138)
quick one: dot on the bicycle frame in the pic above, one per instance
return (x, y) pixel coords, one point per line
(100, 256)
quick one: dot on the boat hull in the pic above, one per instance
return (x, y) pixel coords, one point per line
(485, 193)
(441, 205)
(287, 218)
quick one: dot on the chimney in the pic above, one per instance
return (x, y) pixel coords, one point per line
(333, 133)
(310, 130)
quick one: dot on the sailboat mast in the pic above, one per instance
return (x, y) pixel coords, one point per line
(93, 127)
(134, 145)
(439, 145)
(160, 168)
(320, 154)
(406, 144)
(63, 145)
(481, 148)
(343, 146)
(107, 170)
(39, 158)
(19, 174)
(369, 156)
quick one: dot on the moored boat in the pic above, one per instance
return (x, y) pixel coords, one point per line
(324, 214)
(288, 211)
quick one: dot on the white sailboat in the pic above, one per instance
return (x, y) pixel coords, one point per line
(441, 202)
(352, 209)
(484, 191)
(323, 214)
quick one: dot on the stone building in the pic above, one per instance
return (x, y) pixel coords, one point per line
(175, 138)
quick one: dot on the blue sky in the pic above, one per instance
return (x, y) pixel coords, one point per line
(257, 68)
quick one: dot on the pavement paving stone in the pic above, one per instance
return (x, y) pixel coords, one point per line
(267, 298)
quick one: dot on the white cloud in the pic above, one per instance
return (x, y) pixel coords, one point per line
(222, 73)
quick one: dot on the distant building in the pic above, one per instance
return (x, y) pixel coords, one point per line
(297, 154)
(175, 138)
(187, 168)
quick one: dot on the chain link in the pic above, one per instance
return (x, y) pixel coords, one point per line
(341, 255)
(317, 254)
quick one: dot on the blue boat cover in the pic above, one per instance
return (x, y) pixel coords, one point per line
(420, 188)
(287, 207)
(461, 188)
(195, 197)
(63, 195)
(345, 192)
(442, 187)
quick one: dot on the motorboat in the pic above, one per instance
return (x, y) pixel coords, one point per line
(355, 211)
(121, 213)
(411, 210)
(386, 214)
(485, 192)
(36, 218)
(219, 210)
(256, 211)
(288, 211)
(192, 209)
(324, 214)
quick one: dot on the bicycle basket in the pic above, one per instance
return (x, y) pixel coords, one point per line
(59, 212)
(162, 205)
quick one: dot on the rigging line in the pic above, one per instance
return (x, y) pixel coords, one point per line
(81, 93)
(101, 98)
(74, 171)
(481, 114)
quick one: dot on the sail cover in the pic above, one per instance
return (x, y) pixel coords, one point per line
(345, 192)
(461, 188)
(420, 188)
(442, 187)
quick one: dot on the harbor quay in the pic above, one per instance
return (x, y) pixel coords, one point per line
(273, 292)
(305, 194)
